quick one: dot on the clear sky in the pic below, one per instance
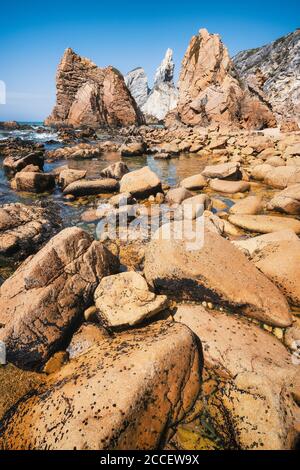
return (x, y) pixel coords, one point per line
(126, 34)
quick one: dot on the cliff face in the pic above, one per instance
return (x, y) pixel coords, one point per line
(211, 91)
(137, 83)
(163, 96)
(276, 68)
(89, 95)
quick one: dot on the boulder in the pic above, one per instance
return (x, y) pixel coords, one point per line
(23, 229)
(195, 206)
(31, 168)
(44, 300)
(91, 96)
(69, 176)
(280, 262)
(125, 300)
(211, 269)
(256, 244)
(133, 149)
(250, 205)
(34, 182)
(248, 380)
(194, 182)
(287, 201)
(259, 172)
(177, 195)
(229, 171)
(79, 151)
(85, 187)
(141, 183)
(264, 223)
(13, 164)
(282, 176)
(125, 392)
(122, 199)
(115, 171)
(229, 187)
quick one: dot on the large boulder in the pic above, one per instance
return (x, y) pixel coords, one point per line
(133, 149)
(280, 262)
(44, 300)
(125, 392)
(115, 170)
(250, 205)
(14, 163)
(177, 195)
(68, 176)
(222, 171)
(287, 201)
(85, 187)
(194, 182)
(89, 95)
(264, 223)
(254, 245)
(23, 229)
(282, 176)
(249, 383)
(209, 91)
(125, 300)
(141, 183)
(212, 269)
(229, 187)
(35, 182)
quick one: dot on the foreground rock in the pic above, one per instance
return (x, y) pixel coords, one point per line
(287, 201)
(35, 182)
(229, 187)
(43, 301)
(264, 223)
(212, 269)
(141, 183)
(89, 95)
(229, 171)
(132, 149)
(68, 176)
(114, 395)
(85, 187)
(250, 205)
(23, 229)
(256, 244)
(194, 182)
(280, 262)
(125, 300)
(13, 164)
(250, 383)
(116, 171)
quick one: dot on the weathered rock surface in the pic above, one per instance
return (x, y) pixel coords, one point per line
(256, 244)
(132, 149)
(89, 95)
(69, 176)
(42, 302)
(116, 171)
(287, 201)
(13, 164)
(209, 90)
(214, 271)
(250, 205)
(140, 183)
(276, 64)
(195, 206)
(229, 187)
(125, 300)
(264, 223)
(230, 171)
(23, 229)
(194, 182)
(248, 382)
(280, 262)
(163, 96)
(31, 181)
(124, 393)
(137, 83)
(75, 151)
(85, 187)
(177, 195)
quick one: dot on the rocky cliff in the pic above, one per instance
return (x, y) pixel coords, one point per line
(93, 96)
(163, 96)
(210, 90)
(277, 67)
(137, 83)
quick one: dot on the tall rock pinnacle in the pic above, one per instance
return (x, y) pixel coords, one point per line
(137, 84)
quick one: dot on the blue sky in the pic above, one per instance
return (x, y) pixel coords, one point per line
(127, 34)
